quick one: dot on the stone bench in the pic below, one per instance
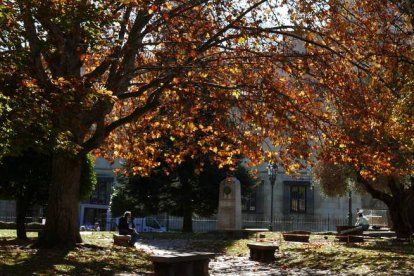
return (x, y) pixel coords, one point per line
(182, 264)
(255, 231)
(262, 252)
(349, 234)
(121, 240)
(296, 236)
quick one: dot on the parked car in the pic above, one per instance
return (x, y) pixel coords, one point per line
(147, 224)
(90, 227)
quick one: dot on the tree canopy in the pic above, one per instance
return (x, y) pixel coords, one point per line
(360, 63)
(334, 83)
(85, 69)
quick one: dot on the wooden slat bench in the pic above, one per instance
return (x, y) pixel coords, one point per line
(262, 252)
(182, 264)
(121, 240)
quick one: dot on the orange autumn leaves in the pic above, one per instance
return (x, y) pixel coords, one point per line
(219, 78)
(340, 100)
(364, 74)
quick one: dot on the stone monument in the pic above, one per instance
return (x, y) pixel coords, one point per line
(229, 215)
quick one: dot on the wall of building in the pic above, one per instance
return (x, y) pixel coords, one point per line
(7, 209)
(96, 208)
(317, 204)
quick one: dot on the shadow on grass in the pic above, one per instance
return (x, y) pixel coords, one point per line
(186, 242)
(216, 246)
(180, 235)
(82, 260)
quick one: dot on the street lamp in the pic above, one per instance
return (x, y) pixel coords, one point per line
(272, 173)
(349, 207)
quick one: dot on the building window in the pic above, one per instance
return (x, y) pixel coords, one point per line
(297, 199)
(102, 193)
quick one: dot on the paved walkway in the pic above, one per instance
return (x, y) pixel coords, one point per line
(225, 265)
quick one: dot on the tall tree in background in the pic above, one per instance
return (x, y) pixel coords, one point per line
(185, 192)
(86, 68)
(360, 62)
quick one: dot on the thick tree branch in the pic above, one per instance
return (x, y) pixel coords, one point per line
(387, 199)
(34, 42)
(113, 59)
(119, 78)
(103, 131)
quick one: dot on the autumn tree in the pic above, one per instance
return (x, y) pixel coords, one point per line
(87, 68)
(359, 60)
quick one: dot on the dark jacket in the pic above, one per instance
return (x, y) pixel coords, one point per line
(123, 227)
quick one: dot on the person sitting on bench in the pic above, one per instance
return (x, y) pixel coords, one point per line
(362, 221)
(124, 229)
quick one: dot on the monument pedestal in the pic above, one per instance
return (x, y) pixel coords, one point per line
(229, 215)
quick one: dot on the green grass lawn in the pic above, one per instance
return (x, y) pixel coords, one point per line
(97, 256)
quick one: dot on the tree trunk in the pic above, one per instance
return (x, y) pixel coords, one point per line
(402, 215)
(62, 219)
(21, 211)
(186, 199)
(400, 202)
(187, 217)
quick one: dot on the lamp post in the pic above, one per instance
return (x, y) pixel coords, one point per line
(272, 173)
(349, 207)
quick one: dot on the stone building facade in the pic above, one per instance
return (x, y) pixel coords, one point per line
(300, 198)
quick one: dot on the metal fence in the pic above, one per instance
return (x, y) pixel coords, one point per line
(279, 224)
(377, 217)
(297, 223)
(285, 223)
(27, 219)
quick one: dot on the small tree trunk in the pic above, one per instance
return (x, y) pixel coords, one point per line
(21, 211)
(62, 219)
